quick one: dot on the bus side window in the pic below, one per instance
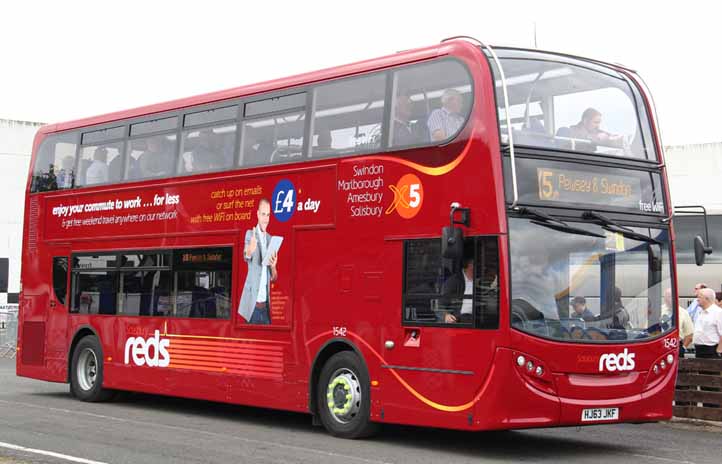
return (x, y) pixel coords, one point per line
(99, 164)
(60, 278)
(55, 163)
(203, 286)
(207, 149)
(440, 291)
(273, 140)
(348, 116)
(430, 100)
(95, 289)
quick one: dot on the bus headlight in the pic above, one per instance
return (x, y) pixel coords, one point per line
(520, 361)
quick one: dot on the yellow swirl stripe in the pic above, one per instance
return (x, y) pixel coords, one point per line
(412, 390)
(432, 171)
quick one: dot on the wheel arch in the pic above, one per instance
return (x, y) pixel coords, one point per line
(330, 348)
(82, 332)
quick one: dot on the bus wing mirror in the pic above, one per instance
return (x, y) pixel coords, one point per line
(700, 250)
(452, 243)
(452, 238)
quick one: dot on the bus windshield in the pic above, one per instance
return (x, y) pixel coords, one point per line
(568, 285)
(573, 105)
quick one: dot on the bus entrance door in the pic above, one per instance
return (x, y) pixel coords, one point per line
(56, 311)
(433, 372)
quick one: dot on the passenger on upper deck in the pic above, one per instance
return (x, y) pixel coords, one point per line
(65, 175)
(588, 129)
(97, 172)
(446, 121)
(156, 160)
(324, 142)
(404, 133)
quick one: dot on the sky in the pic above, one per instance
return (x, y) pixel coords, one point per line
(65, 60)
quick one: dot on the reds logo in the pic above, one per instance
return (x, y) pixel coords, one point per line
(623, 361)
(152, 352)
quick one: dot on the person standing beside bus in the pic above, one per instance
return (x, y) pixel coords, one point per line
(693, 308)
(708, 328)
(254, 305)
(579, 305)
(686, 326)
(446, 121)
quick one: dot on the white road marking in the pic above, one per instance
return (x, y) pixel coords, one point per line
(675, 461)
(202, 432)
(48, 453)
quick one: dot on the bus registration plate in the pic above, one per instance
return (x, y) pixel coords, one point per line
(600, 414)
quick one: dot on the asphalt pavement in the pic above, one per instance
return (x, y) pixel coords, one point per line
(41, 423)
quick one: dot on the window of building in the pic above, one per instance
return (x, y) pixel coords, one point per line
(55, 163)
(442, 291)
(348, 116)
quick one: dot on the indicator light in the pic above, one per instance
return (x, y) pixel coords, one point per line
(529, 366)
(539, 371)
(670, 359)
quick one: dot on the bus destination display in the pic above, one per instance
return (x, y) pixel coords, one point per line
(558, 183)
(584, 187)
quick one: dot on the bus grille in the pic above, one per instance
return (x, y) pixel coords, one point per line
(33, 224)
(33, 343)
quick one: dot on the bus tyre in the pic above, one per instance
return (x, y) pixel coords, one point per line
(86, 371)
(343, 397)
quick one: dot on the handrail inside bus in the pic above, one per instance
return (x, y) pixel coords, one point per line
(506, 111)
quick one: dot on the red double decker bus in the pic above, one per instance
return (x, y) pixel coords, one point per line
(454, 236)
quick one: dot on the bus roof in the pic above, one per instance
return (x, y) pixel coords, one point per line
(402, 57)
(406, 56)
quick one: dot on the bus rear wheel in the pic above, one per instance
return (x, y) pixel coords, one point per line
(343, 397)
(86, 371)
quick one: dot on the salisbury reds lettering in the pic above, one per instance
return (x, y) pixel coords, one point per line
(623, 361)
(152, 352)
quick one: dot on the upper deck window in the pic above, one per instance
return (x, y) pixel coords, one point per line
(55, 163)
(563, 106)
(275, 104)
(431, 103)
(348, 116)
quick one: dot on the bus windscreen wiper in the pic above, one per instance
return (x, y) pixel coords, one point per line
(543, 219)
(612, 226)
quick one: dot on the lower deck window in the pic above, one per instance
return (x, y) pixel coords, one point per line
(190, 282)
(451, 292)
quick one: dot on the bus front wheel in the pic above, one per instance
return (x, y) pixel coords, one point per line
(86, 372)
(344, 400)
